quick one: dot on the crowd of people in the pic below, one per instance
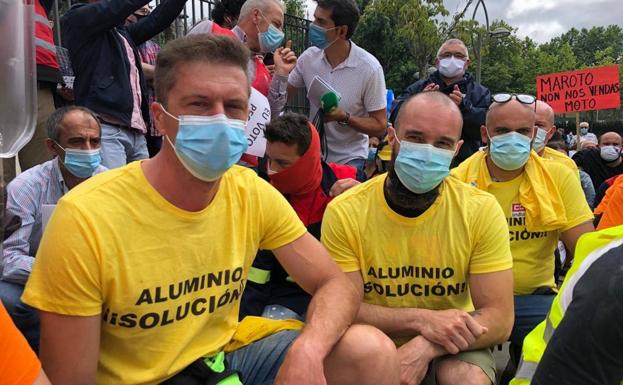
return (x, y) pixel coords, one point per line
(371, 243)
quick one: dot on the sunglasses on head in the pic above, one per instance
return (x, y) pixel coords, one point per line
(506, 97)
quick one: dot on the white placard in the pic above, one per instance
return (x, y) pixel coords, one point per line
(259, 115)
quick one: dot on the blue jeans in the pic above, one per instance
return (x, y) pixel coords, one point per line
(530, 310)
(24, 317)
(121, 146)
(259, 363)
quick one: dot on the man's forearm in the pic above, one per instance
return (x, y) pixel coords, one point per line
(395, 322)
(17, 269)
(367, 125)
(278, 94)
(331, 311)
(498, 326)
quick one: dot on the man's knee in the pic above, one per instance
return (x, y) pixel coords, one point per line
(363, 355)
(456, 372)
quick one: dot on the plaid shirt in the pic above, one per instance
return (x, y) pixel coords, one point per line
(26, 194)
(149, 52)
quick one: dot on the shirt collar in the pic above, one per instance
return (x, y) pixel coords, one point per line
(240, 34)
(351, 61)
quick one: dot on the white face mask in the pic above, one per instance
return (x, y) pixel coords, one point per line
(539, 139)
(451, 67)
(610, 153)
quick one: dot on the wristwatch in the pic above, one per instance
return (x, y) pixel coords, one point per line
(345, 121)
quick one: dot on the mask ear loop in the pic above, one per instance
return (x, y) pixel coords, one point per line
(173, 117)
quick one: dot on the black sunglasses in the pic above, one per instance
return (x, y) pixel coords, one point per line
(506, 97)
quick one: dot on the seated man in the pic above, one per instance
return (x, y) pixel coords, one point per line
(74, 137)
(603, 162)
(581, 343)
(140, 272)
(541, 199)
(431, 252)
(544, 121)
(308, 183)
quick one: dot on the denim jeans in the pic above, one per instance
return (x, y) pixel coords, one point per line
(530, 310)
(259, 362)
(359, 164)
(24, 317)
(121, 146)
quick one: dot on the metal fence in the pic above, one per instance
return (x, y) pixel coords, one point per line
(295, 29)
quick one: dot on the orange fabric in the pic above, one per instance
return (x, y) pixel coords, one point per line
(18, 363)
(603, 205)
(613, 213)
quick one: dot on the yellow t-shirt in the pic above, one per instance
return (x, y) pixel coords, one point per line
(166, 282)
(556, 156)
(421, 262)
(533, 251)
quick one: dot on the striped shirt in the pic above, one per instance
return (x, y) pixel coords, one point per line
(26, 194)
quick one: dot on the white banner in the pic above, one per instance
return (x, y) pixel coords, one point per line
(259, 115)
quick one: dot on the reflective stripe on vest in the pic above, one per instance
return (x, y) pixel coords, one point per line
(534, 346)
(259, 276)
(44, 39)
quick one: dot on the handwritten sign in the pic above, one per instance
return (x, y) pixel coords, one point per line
(583, 90)
(259, 115)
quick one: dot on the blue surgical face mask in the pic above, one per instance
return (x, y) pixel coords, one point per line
(208, 146)
(318, 36)
(372, 154)
(271, 39)
(81, 163)
(583, 131)
(539, 139)
(509, 151)
(422, 167)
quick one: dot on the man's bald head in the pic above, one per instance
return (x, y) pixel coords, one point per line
(430, 106)
(511, 116)
(544, 114)
(610, 139)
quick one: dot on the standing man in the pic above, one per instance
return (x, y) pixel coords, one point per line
(353, 73)
(260, 28)
(431, 252)
(139, 309)
(603, 162)
(542, 201)
(109, 75)
(452, 79)
(74, 140)
(585, 135)
(48, 76)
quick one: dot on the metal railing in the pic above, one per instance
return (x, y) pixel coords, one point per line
(295, 29)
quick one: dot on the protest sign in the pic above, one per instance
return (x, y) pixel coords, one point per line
(583, 90)
(259, 115)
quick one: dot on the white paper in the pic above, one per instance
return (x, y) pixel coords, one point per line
(259, 115)
(46, 213)
(317, 89)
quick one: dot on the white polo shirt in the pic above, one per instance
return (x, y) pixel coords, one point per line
(360, 82)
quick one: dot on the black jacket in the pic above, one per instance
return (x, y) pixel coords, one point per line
(474, 106)
(98, 56)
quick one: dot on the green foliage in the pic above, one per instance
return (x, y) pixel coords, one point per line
(296, 7)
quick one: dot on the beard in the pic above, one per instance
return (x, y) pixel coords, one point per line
(403, 199)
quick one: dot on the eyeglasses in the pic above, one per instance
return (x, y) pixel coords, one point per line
(506, 97)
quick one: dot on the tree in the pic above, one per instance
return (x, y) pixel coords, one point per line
(404, 35)
(296, 7)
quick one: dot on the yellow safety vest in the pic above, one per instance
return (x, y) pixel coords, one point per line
(589, 248)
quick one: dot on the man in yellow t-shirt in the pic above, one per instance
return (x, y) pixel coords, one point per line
(545, 129)
(541, 199)
(431, 252)
(140, 272)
